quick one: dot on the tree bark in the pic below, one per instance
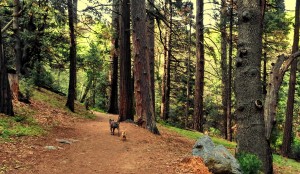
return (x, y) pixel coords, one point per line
(199, 81)
(224, 64)
(18, 50)
(126, 90)
(150, 36)
(72, 58)
(229, 86)
(6, 106)
(113, 99)
(188, 73)
(141, 65)
(288, 128)
(248, 89)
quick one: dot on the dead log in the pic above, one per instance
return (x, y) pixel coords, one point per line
(275, 79)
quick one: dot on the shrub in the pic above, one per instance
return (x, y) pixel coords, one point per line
(296, 149)
(250, 163)
(26, 87)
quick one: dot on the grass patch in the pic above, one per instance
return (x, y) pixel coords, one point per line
(286, 165)
(196, 135)
(58, 101)
(50, 98)
(19, 126)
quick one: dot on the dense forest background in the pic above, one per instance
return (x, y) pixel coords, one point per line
(84, 50)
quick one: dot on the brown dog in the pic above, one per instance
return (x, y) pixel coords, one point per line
(114, 125)
(123, 135)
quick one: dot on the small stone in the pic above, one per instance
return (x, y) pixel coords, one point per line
(50, 147)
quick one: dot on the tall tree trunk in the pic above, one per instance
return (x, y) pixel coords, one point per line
(248, 89)
(75, 16)
(288, 128)
(229, 132)
(18, 50)
(141, 65)
(126, 90)
(188, 73)
(199, 81)
(72, 58)
(150, 36)
(113, 99)
(165, 103)
(224, 64)
(6, 106)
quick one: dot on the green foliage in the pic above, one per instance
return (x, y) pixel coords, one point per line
(19, 126)
(296, 148)
(26, 86)
(214, 132)
(249, 163)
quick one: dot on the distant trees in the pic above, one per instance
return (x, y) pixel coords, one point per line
(166, 80)
(248, 89)
(288, 128)
(113, 98)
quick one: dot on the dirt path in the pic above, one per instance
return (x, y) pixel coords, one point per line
(96, 151)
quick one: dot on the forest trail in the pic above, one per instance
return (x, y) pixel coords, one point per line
(95, 150)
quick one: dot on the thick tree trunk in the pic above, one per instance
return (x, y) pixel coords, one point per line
(150, 36)
(199, 81)
(113, 99)
(72, 57)
(165, 103)
(6, 106)
(126, 90)
(248, 89)
(141, 65)
(224, 64)
(288, 128)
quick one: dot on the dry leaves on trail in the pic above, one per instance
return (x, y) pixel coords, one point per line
(192, 165)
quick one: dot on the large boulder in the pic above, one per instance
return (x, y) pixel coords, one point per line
(217, 158)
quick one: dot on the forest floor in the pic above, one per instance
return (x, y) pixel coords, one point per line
(88, 147)
(73, 144)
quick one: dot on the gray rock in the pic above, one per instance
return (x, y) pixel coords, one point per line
(50, 147)
(218, 159)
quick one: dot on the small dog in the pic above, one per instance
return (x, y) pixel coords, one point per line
(123, 135)
(113, 125)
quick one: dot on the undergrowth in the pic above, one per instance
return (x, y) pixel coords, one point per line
(24, 123)
(18, 126)
(58, 101)
(281, 164)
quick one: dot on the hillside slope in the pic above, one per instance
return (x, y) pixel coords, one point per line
(88, 147)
